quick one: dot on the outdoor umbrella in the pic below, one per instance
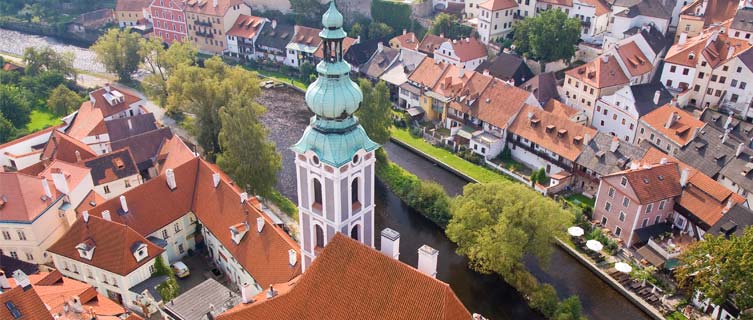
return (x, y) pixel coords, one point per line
(575, 231)
(594, 245)
(623, 267)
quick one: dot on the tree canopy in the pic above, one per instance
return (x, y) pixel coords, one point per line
(307, 12)
(720, 268)
(247, 155)
(120, 52)
(39, 60)
(449, 26)
(161, 63)
(374, 114)
(380, 30)
(549, 36)
(14, 106)
(63, 100)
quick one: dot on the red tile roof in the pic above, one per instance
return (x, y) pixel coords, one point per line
(55, 290)
(554, 133)
(634, 60)
(653, 183)
(264, 255)
(428, 73)
(246, 26)
(207, 7)
(131, 5)
(173, 153)
(407, 40)
(27, 302)
(74, 173)
(707, 199)
(91, 198)
(22, 197)
(64, 147)
(469, 49)
(349, 280)
(430, 42)
(89, 121)
(599, 73)
(307, 36)
(681, 131)
(601, 7)
(500, 102)
(560, 109)
(108, 110)
(113, 242)
(495, 5)
(28, 136)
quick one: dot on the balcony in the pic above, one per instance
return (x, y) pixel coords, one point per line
(205, 34)
(202, 23)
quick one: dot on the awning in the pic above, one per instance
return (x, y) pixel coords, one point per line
(651, 256)
(415, 111)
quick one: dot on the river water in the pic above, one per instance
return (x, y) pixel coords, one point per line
(488, 295)
(14, 43)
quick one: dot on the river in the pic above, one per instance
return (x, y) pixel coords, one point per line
(488, 295)
(14, 43)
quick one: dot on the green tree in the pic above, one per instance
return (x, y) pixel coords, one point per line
(307, 12)
(161, 267)
(380, 30)
(39, 60)
(544, 298)
(2, 61)
(549, 36)
(355, 30)
(14, 106)
(169, 289)
(449, 26)
(569, 309)
(374, 113)
(7, 130)
(496, 224)
(721, 269)
(247, 155)
(307, 70)
(62, 100)
(161, 62)
(120, 52)
(203, 91)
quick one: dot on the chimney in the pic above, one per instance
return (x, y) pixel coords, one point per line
(486, 72)
(740, 149)
(106, 215)
(728, 122)
(78, 156)
(130, 124)
(672, 118)
(634, 165)
(604, 58)
(614, 145)
(390, 243)
(170, 177)
(123, 204)
(22, 280)
(413, 38)
(462, 72)
(725, 136)
(657, 95)
(216, 179)
(85, 216)
(380, 47)
(247, 293)
(730, 51)
(46, 188)
(107, 87)
(259, 224)
(729, 205)
(684, 177)
(271, 293)
(4, 283)
(61, 183)
(427, 260)
(683, 38)
(405, 31)
(586, 139)
(274, 24)
(663, 161)
(292, 257)
(244, 197)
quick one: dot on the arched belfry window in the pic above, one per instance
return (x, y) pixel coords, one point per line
(317, 194)
(354, 191)
(355, 233)
(319, 234)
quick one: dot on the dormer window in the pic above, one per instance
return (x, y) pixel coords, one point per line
(139, 250)
(238, 231)
(623, 182)
(86, 249)
(691, 56)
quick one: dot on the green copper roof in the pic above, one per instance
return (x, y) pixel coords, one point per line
(338, 33)
(333, 97)
(334, 147)
(332, 18)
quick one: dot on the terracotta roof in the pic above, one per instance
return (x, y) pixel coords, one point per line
(407, 40)
(88, 122)
(131, 5)
(720, 10)
(600, 74)
(430, 42)
(347, 43)
(35, 169)
(112, 166)
(500, 102)
(681, 53)
(428, 73)
(714, 46)
(113, 242)
(654, 156)
(27, 302)
(264, 255)
(206, 6)
(387, 289)
(246, 26)
(109, 110)
(307, 36)
(706, 199)
(601, 7)
(543, 86)
(564, 3)
(634, 60)
(90, 201)
(63, 147)
(657, 182)
(9, 66)
(173, 153)
(495, 5)
(22, 196)
(555, 139)
(469, 49)
(452, 81)
(560, 109)
(74, 173)
(145, 146)
(681, 131)
(55, 290)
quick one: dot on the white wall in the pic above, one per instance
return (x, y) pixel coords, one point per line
(187, 227)
(24, 155)
(677, 77)
(118, 187)
(40, 234)
(230, 267)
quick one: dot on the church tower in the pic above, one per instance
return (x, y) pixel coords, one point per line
(334, 158)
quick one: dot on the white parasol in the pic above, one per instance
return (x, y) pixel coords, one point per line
(594, 245)
(623, 267)
(575, 231)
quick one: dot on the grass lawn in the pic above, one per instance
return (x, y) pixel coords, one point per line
(477, 172)
(579, 198)
(41, 119)
(676, 316)
(282, 78)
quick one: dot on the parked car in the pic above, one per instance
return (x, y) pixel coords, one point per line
(180, 269)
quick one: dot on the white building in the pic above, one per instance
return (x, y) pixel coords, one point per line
(495, 19)
(618, 114)
(25, 151)
(302, 46)
(241, 38)
(466, 53)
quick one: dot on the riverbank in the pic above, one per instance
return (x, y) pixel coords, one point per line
(420, 150)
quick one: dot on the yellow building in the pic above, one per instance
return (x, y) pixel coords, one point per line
(699, 14)
(209, 20)
(132, 12)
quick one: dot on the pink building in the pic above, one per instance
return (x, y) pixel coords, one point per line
(637, 198)
(169, 20)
